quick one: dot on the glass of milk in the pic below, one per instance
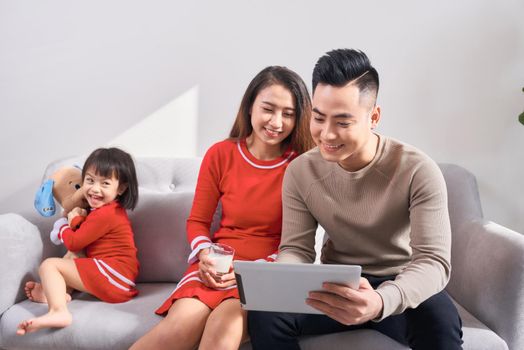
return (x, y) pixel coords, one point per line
(222, 255)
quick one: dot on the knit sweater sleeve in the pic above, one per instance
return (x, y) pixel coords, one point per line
(430, 240)
(207, 195)
(299, 227)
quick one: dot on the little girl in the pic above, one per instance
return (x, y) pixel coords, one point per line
(110, 267)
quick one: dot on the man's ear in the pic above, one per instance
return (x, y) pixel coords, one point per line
(375, 116)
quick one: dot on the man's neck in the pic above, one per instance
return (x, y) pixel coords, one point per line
(363, 157)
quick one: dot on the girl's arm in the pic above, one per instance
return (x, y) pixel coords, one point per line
(95, 226)
(207, 195)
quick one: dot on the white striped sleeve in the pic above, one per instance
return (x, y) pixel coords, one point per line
(59, 227)
(197, 244)
(269, 258)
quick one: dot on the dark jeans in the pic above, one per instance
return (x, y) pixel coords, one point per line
(434, 324)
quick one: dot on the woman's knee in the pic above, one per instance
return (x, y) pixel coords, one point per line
(227, 317)
(186, 318)
(183, 329)
(173, 328)
(228, 320)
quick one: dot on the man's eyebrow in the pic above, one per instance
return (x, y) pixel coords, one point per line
(340, 115)
(344, 115)
(319, 112)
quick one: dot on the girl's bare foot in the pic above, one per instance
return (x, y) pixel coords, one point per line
(53, 319)
(35, 293)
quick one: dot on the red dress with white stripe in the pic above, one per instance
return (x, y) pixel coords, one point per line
(111, 266)
(250, 192)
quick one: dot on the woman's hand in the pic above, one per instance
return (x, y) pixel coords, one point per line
(74, 213)
(209, 276)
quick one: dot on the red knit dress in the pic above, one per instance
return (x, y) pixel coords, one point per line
(250, 192)
(111, 266)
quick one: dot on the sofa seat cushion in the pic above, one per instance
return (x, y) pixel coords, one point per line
(96, 325)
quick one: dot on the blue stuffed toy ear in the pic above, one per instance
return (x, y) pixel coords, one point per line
(44, 202)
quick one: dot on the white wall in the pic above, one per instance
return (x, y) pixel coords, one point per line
(75, 76)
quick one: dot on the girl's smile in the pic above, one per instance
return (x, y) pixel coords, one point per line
(100, 190)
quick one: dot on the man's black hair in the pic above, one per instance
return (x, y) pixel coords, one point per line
(342, 66)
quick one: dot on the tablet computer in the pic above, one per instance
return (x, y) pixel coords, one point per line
(284, 287)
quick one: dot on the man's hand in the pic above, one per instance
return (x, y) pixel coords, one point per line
(345, 305)
(209, 276)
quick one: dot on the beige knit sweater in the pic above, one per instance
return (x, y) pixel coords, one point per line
(391, 217)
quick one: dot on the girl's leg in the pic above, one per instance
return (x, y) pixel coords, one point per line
(180, 329)
(56, 274)
(34, 290)
(226, 327)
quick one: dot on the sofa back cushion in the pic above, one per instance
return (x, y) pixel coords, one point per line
(159, 222)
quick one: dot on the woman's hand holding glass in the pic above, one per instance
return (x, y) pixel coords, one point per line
(209, 275)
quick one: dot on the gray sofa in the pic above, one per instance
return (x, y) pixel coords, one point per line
(487, 281)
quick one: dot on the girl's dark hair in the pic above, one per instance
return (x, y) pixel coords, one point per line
(339, 67)
(109, 162)
(300, 138)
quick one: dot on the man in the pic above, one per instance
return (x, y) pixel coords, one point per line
(383, 205)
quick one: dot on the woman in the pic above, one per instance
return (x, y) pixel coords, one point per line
(244, 173)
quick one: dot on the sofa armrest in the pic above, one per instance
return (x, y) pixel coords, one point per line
(21, 251)
(487, 277)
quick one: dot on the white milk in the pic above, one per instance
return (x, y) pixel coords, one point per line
(222, 262)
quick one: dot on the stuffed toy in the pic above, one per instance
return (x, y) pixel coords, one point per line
(64, 187)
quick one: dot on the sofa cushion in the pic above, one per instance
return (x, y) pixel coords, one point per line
(98, 325)
(159, 226)
(19, 242)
